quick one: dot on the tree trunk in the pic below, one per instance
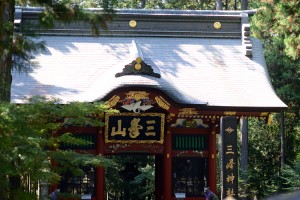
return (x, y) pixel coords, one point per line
(244, 4)
(282, 140)
(143, 3)
(244, 147)
(226, 4)
(218, 4)
(7, 8)
(244, 151)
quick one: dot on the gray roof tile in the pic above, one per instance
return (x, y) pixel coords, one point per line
(208, 71)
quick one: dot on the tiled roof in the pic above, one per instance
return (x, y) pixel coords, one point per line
(192, 71)
(201, 71)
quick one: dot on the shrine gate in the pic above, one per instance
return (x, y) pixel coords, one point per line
(180, 79)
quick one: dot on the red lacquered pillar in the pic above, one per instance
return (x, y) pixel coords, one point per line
(212, 164)
(100, 174)
(168, 167)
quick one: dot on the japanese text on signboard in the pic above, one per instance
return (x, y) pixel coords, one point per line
(134, 128)
(229, 157)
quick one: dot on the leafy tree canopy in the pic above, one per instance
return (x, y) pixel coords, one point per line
(27, 142)
(277, 24)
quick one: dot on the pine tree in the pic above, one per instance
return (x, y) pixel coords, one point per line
(16, 50)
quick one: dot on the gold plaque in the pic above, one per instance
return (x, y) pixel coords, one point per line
(143, 128)
(132, 23)
(217, 25)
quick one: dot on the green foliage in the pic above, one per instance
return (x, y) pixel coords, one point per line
(277, 23)
(23, 50)
(70, 10)
(190, 5)
(290, 178)
(27, 144)
(265, 175)
(144, 184)
(68, 196)
(264, 158)
(155, 4)
(142, 187)
(17, 50)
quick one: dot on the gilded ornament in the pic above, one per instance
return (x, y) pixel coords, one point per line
(162, 102)
(137, 66)
(132, 23)
(264, 114)
(230, 113)
(229, 130)
(113, 101)
(188, 111)
(190, 123)
(138, 60)
(137, 95)
(217, 25)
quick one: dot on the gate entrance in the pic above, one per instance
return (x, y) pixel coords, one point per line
(157, 154)
(189, 176)
(132, 178)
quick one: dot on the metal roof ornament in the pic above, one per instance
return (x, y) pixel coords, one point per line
(217, 25)
(132, 23)
(138, 66)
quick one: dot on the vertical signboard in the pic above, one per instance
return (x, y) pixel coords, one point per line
(229, 160)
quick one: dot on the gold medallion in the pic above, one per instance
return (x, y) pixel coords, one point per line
(137, 66)
(132, 23)
(217, 25)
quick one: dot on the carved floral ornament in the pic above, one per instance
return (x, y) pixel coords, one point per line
(137, 101)
(137, 95)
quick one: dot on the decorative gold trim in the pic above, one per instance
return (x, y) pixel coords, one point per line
(162, 128)
(230, 113)
(229, 130)
(113, 101)
(137, 95)
(190, 153)
(132, 23)
(162, 102)
(217, 25)
(269, 119)
(188, 111)
(264, 114)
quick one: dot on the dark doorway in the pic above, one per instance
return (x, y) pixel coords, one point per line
(132, 178)
(190, 176)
